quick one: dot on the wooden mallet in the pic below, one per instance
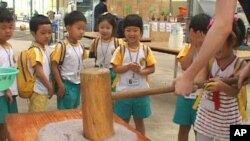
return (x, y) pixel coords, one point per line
(97, 101)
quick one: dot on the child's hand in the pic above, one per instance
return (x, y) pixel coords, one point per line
(8, 94)
(50, 92)
(200, 38)
(135, 67)
(214, 85)
(61, 91)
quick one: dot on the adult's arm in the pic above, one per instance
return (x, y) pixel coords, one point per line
(214, 39)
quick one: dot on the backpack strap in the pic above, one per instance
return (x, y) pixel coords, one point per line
(96, 41)
(116, 42)
(83, 51)
(238, 64)
(146, 50)
(34, 73)
(242, 96)
(93, 53)
(122, 50)
(63, 52)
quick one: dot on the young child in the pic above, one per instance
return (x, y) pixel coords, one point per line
(184, 112)
(103, 48)
(8, 97)
(219, 107)
(66, 71)
(39, 63)
(133, 62)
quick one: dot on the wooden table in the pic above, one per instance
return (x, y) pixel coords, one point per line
(163, 47)
(93, 35)
(244, 54)
(26, 126)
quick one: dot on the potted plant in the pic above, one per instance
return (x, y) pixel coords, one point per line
(164, 15)
(128, 9)
(152, 12)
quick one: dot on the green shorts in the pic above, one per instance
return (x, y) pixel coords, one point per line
(6, 108)
(71, 98)
(139, 108)
(184, 112)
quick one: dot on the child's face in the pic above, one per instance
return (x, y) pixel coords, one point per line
(105, 29)
(6, 30)
(224, 52)
(132, 34)
(43, 34)
(76, 31)
(196, 37)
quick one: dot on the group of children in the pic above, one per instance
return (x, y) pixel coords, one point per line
(219, 104)
(59, 72)
(130, 62)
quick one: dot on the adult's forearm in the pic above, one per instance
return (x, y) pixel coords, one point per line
(208, 49)
(215, 37)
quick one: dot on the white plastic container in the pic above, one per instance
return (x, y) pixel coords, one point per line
(176, 36)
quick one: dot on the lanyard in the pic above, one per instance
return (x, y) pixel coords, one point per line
(78, 58)
(130, 56)
(104, 55)
(8, 53)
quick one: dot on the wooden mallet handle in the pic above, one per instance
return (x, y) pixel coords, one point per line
(161, 90)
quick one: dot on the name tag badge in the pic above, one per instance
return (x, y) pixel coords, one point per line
(133, 82)
(193, 95)
(207, 104)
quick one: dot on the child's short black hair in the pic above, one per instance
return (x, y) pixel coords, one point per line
(38, 20)
(73, 17)
(238, 33)
(200, 22)
(133, 20)
(5, 15)
(110, 18)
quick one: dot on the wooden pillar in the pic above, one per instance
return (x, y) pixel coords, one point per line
(97, 104)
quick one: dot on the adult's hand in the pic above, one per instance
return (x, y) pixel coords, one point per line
(183, 85)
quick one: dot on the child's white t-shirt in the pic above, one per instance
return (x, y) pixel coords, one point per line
(105, 51)
(72, 64)
(131, 80)
(7, 60)
(39, 54)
